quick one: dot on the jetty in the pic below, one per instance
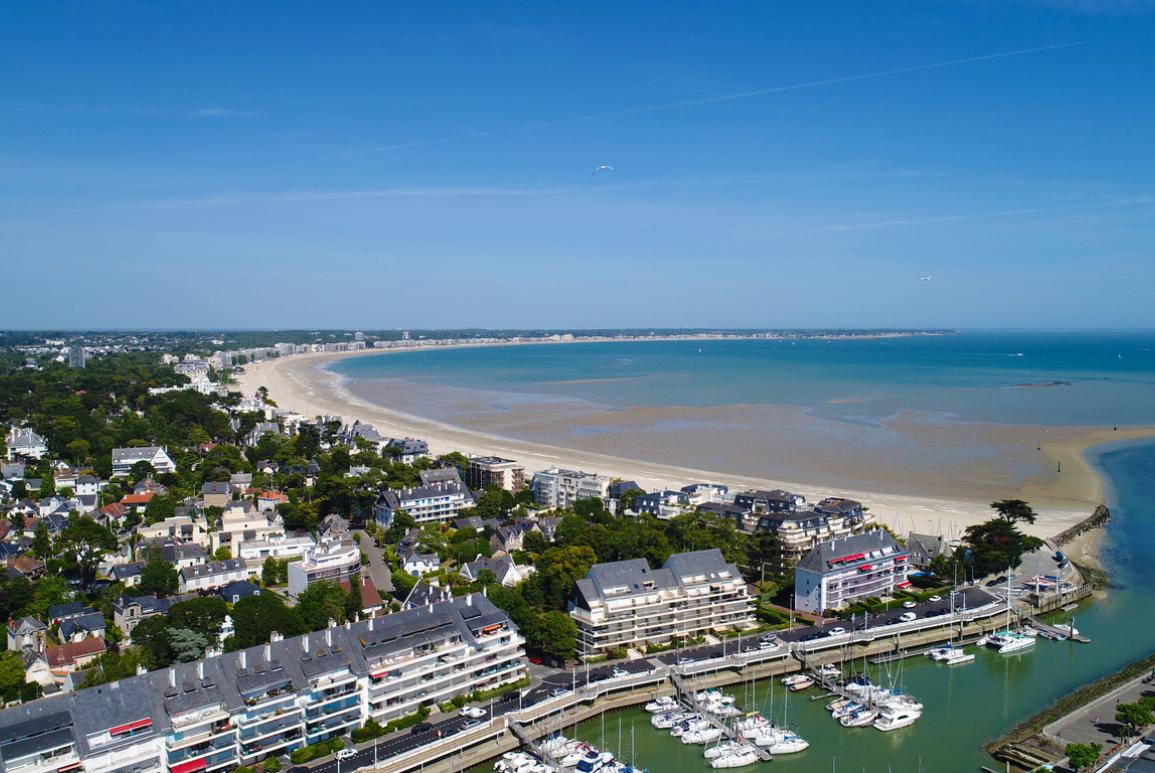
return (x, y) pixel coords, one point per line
(689, 700)
(1056, 633)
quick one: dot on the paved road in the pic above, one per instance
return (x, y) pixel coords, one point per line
(1095, 722)
(551, 682)
(378, 569)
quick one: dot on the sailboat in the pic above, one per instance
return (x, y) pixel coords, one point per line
(1007, 641)
(950, 654)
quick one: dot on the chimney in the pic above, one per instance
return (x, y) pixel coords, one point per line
(268, 653)
(244, 658)
(305, 643)
(200, 669)
(370, 624)
(329, 636)
(172, 677)
(469, 600)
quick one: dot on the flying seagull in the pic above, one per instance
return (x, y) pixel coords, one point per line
(926, 278)
(604, 168)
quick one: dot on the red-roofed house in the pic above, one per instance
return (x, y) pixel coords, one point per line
(371, 601)
(268, 500)
(113, 513)
(137, 501)
(73, 657)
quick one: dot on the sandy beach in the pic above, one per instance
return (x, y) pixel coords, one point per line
(300, 383)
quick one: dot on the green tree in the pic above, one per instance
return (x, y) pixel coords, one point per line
(557, 635)
(1014, 511)
(222, 553)
(402, 584)
(535, 542)
(46, 592)
(160, 577)
(256, 617)
(557, 571)
(354, 602)
(84, 542)
(997, 545)
(142, 470)
(186, 644)
(41, 543)
(205, 615)
(151, 637)
(1133, 717)
(270, 571)
(15, 595)
(158, 509)
(321, 602)
(11, 674)
(1083, 755)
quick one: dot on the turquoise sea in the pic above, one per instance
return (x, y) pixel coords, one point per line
(958, 416)
(970, 379)
(1041, 378)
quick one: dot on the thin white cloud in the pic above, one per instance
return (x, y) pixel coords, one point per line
(147, 112)
(722, 98)
(962, 217)
(790, 177)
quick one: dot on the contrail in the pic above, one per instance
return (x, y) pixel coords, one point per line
(721, 98)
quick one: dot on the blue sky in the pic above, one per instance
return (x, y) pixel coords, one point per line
(192, 164)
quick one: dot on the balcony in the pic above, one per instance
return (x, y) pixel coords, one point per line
(194, 735)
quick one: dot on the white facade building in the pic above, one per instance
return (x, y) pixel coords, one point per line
(837, 573)
(557, 488)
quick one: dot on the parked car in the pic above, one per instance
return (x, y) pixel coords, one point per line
(935, 598)
(344, 754)
(557, 692)
(909, 605)
(685, 661)
(620, 673)
(908, 617)
(535, 660)
(599, 677)
(473, 712)
(469, 724)
(836, 631)
(421, 727)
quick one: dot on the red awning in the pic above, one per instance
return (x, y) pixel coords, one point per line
(137, 725)
(864, 568)
(904, 583)
(189, 767)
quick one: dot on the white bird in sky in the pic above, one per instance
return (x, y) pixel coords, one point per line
(926, 278)
(604, 168)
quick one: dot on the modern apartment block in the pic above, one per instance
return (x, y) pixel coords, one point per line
(437, 499)
(334, 559)
(557, 488)
(628, 604)
(837, 573)
(123, 460)
(798, 526)
(485, 471)
(241, 707)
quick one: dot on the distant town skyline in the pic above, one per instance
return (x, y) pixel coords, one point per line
(960, 164)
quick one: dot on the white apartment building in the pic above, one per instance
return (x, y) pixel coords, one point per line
(837, 573)
(254, 552)
(557, 488)
(241, 522)
(628, 604)
(24, 443)
(332, 559)
(241, 707)
(440, 497)
(214, 574)
(123, 460)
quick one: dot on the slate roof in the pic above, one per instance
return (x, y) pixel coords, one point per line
(93, 622)
(819, 557)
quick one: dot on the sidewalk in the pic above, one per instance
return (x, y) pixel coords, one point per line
(1095, 722)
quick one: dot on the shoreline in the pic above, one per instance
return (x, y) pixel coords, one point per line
(303, 384)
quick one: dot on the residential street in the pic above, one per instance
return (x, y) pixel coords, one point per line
(378, 569)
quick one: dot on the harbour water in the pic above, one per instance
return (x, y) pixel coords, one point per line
(967, 705)
(845, 391)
